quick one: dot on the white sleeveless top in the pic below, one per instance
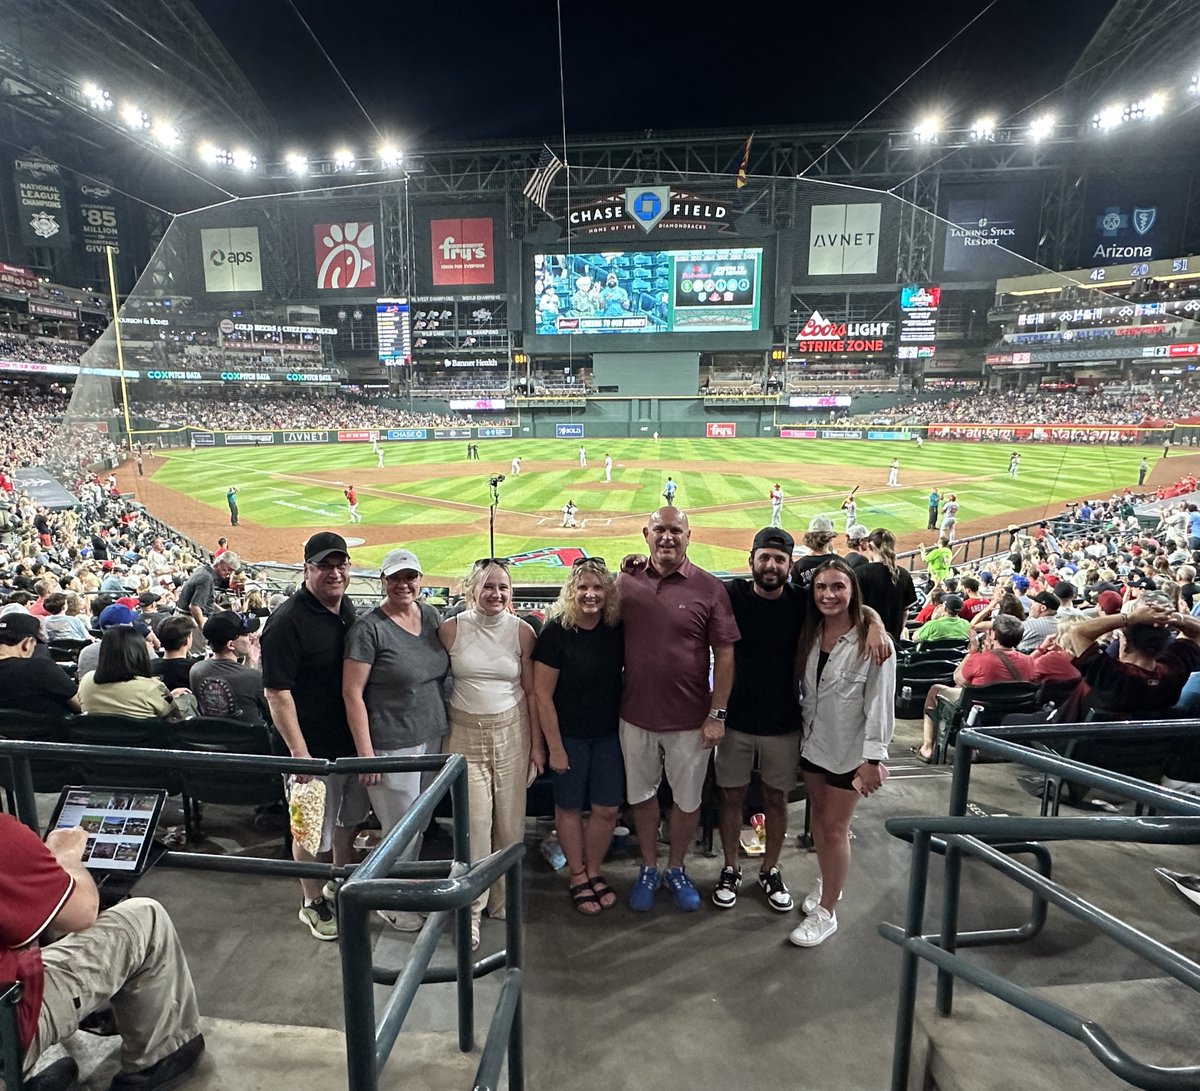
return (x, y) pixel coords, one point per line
(486, 663)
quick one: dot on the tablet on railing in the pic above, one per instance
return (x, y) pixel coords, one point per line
(120, 824)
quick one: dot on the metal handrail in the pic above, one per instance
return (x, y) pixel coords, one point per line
(1177, 822)
(382, 881)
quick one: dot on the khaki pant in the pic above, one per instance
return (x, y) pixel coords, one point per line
(497, 753)
(131, 957)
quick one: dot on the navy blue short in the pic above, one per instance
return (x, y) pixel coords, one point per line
(596, 777)
(834, 780)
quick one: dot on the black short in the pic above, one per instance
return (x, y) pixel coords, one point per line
(834, 780)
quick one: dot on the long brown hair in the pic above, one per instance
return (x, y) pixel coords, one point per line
(884, 543)
(814, 622)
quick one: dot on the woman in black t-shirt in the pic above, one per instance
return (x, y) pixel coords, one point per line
(577, 666)
(886, 586)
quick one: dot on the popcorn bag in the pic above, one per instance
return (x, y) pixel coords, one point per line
(306, 812)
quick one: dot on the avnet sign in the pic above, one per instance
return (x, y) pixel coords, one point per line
(305, 437)
(843, 239)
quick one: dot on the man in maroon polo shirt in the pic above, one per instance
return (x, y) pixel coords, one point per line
(673, 614)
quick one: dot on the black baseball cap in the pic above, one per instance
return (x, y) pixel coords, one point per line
(20, 625)
(228, 625)
(773, 538)
(320, 546)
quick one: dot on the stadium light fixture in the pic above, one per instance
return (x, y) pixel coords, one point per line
(927, 130)
(1109, 117)
(1153, 106)
(165, 133)
(208, 151)
(134, 116)
(99, 98)
(1041, 127)
(984, 130)
(244, 160)
(343, 159)
(1194, 85)
(390, 155)
(296, 163)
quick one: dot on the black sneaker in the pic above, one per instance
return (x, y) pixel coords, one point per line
(725, 895)
(171, 1071)
(779, 897)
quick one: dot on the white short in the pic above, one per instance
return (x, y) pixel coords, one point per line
(346, 805)
(647, 753)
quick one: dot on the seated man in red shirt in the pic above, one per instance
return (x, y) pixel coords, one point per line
(996, 661)
(127, 957)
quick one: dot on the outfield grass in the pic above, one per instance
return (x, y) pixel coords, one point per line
(431, 488)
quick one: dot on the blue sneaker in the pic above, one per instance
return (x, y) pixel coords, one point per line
(641, 894)
(685, 896)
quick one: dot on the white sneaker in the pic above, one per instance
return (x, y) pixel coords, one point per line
(813, 899)
(816, 928)
(403, 922)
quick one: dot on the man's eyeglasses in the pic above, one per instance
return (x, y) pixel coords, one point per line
(328, 566)
(596, 562)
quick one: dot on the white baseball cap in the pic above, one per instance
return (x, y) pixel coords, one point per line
(400, 560)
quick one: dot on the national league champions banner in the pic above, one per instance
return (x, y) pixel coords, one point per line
(41, 205)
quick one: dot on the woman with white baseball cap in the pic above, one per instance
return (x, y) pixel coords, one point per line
(392, 686)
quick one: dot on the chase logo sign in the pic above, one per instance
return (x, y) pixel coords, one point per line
(646, 205)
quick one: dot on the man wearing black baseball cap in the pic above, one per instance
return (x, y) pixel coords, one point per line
(763, 716)
(27, 683)
(223, 685)
(302, 651)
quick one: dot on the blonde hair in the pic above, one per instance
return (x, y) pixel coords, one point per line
(566, 609)
(476, 577)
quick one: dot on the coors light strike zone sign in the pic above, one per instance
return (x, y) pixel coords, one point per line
(821, 335)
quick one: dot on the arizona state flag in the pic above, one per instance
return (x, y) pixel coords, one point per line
(744, 162)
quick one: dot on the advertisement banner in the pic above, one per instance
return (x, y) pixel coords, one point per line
(494, 433)
(1136, 217)
(99, 219)
(248, 439)
(232, 259)
(344, 255)
(843, 239)
(476, 403)
(357, 436)
(889, 435)
(44, 488)
(720, 431)
(568, 431)
(841, 433)
(797, 433)
(452, 433)
(459, 250)
(988, 229)
(1049, 433)
(18, 277)
(405, 434)
(54, 310)
(204, 439)
(306, 437)
(41, 203)
(838, 336)
(819, 401)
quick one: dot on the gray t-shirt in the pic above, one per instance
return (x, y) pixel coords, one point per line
(223, 687)
(403, 694)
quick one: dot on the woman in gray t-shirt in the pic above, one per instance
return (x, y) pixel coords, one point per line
(392, 685)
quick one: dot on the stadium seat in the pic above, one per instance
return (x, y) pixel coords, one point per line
(916, 673)
(108, 730)
(994, 702)
(949, 646)
(219, 736)
(49, 775)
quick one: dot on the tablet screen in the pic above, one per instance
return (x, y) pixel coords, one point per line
(120, 824)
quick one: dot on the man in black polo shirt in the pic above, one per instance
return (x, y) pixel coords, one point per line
(763, 719)
(302, 651)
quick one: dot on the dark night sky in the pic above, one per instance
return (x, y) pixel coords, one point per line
(432, 74)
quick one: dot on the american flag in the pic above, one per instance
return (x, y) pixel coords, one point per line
(538, 186)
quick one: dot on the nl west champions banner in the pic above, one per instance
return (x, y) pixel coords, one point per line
(232, 259)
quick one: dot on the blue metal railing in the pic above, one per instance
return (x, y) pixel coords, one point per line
(991, 840)
(383, 881)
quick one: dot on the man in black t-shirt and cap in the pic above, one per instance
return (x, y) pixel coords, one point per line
(763, 719)
(29, 683)
(302, 651)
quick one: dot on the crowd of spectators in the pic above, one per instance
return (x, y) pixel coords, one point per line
(40, 350)
(1054, 407)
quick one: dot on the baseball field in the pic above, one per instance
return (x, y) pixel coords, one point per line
(428, 497)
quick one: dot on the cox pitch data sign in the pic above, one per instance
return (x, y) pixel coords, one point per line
(710, 290)
(843, 239)
(232, 259)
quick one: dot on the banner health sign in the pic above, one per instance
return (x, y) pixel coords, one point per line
(232, 259)
(40, 204)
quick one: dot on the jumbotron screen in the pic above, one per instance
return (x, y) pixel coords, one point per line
(710, 290)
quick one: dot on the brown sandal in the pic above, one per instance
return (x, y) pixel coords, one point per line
(583, 896)
(602, 890)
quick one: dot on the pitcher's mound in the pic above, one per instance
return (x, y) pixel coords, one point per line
(605, 486)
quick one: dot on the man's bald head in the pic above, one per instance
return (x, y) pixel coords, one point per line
(667, 534)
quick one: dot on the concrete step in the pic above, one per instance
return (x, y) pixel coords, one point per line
(242, 1056)
(986, 1045)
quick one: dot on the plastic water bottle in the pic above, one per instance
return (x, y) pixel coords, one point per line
(553, 852)
(973, 715)
(906, 693)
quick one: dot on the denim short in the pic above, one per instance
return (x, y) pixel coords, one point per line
(596, 777)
